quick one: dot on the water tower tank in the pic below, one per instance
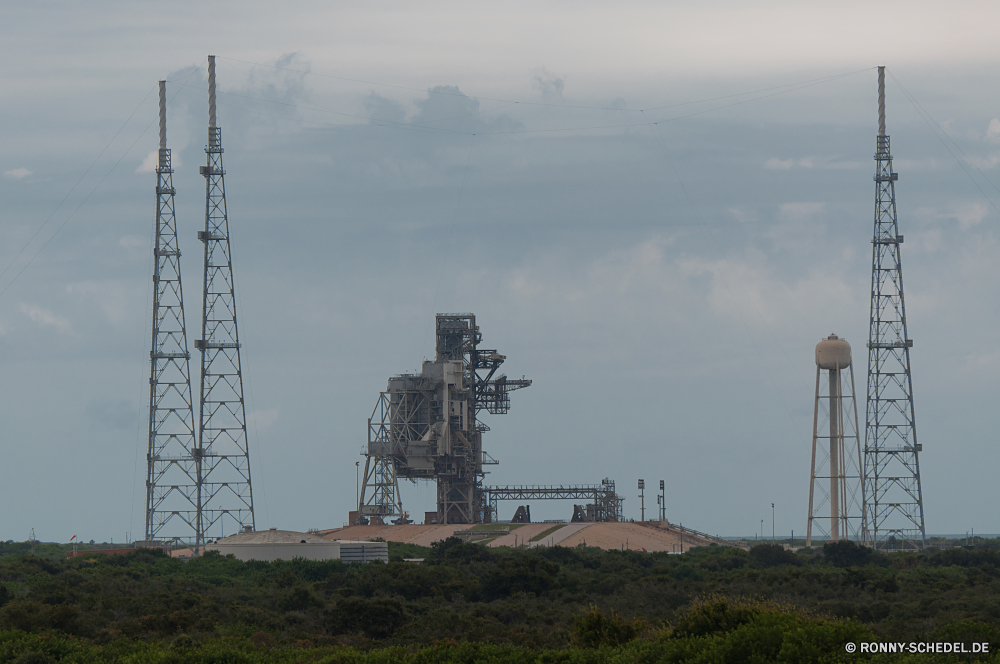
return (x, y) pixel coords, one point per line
(833, 353)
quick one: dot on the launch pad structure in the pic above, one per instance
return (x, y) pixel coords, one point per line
(426, 426)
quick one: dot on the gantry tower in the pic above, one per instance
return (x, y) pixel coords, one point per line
(892, 471)
(172, 474)
(426, 426)
(836, 490)
(222, 455)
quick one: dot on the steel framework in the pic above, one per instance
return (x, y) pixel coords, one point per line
(381, 486)
(607, 503)
(836, 489)
(172, 474)
(426, 426)
(222, 455)
(892, 471)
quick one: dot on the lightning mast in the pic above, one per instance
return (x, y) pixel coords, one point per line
(171, 477)
(222, 455)
(895, 507)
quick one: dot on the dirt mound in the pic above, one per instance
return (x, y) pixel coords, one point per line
(649, 536)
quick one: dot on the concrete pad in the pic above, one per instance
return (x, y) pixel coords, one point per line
(634, 536)
(520, 533)
(556, 538)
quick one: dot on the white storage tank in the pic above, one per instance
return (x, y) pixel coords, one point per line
(833, 353)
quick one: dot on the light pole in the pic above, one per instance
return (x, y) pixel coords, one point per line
(762, 530)
(642, 499)
(772, 522)
(663, 503)
(357, 484)
(222, 523)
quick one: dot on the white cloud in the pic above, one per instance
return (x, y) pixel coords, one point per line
(966, 214)
(993, 131)
(132, 242)
(783, 164)
(263, 418)
(796, 212)
(148, 164)
(970, 214)
(742, 215)
(17, 173)
(984, 162)
(775, 163)
(45, 317)
(116, 300)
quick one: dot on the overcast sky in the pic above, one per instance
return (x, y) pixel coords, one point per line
(664, 284)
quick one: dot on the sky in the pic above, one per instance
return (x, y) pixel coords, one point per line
(655, 211)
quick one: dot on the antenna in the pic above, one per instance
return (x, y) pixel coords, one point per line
(171, 484)
(223, 457)
(894, 499)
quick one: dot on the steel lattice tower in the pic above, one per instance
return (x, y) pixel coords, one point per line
(172, 477)
(895, 505)
(223, 458)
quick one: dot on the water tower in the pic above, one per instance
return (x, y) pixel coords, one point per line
(836, 486)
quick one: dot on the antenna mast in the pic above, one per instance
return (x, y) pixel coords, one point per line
(223, 458)
(171, 478)
(895, 507)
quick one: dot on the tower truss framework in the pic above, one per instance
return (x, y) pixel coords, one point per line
(222, 455)
(836, 489)
(426, 426)
(172, 474)
(892, 470)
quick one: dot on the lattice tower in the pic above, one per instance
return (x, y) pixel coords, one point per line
(223, 452)
(894, 497)
(172, 475)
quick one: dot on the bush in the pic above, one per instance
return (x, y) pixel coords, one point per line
(593, 629)
(846, 553)
(772, 555)
(377, 618)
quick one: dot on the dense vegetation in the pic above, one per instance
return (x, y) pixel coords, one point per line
(468, 603)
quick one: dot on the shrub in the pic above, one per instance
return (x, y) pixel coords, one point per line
(846, 553)
(378, 618)
(593, 629)
(772, 555)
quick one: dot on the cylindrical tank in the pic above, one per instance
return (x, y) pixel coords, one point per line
(833, 353)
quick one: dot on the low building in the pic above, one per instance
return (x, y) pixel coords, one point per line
(274, 544)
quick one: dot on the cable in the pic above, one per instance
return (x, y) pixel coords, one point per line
(73, 188)
(531, 103)
(928, 118)
(143, 386)
(403, 125)
(77, 209)
(814, 81)
(454, 117)
(253, 405)
(425, 128)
